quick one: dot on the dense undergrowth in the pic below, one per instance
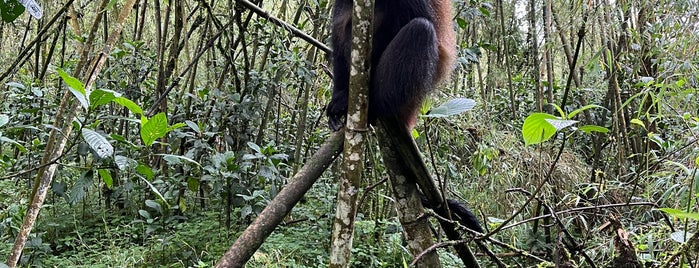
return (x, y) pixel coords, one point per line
(143, 183)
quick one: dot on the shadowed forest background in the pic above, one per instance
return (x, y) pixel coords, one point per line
(162, 128)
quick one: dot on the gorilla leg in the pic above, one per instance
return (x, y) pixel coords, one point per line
(405, 72)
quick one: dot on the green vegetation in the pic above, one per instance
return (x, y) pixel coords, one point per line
(161, 151)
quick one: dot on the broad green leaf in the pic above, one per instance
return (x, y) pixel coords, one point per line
(655, 138)
(145, 171)
(586, 107)
(106, 177)
(10, 10)
(101, 97)
(245, 211)
(536, 129)
(452, 107)
(646, 80)
(592, 128)
(679, 165)
(133, 107)
(153, 128)
(4, 119)
(488, 46)
(99, 144)
(81, 186)
(75, 86)
(696, 161)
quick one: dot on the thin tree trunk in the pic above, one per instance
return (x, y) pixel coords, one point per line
(536, 65)
(506, 61)
(566, 48)
(548, 45)
(355, 135)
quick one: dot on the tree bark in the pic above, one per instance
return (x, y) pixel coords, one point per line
(355, 134)
(411, 214)
(400, 140)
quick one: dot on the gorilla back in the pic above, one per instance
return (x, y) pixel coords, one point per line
(413, 50)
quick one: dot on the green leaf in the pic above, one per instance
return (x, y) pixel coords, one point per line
(10, 10)
(536, 129)
(175, 126)
(592, 128)
(75, 86)
(636, 121)
(680, 214)
(154, 205)
(133, 107)
(452, 107)
(13, 142)
(145, 171)
(80, 187)
(415, 134)
(255, 147)
(586, 107)
(106, 177)
(123, 162)
(98, 143)
(183, 204)
(484, 11)
(101, 97)
(176, 159)
(122, 139)
(488, 46)
(4, 119)
(110, 5)
(461, 22)
(144, 213)
(190, 124)
(558, 108)
(696, 161)
(154, 128)
(192, 184)
(156, 192)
